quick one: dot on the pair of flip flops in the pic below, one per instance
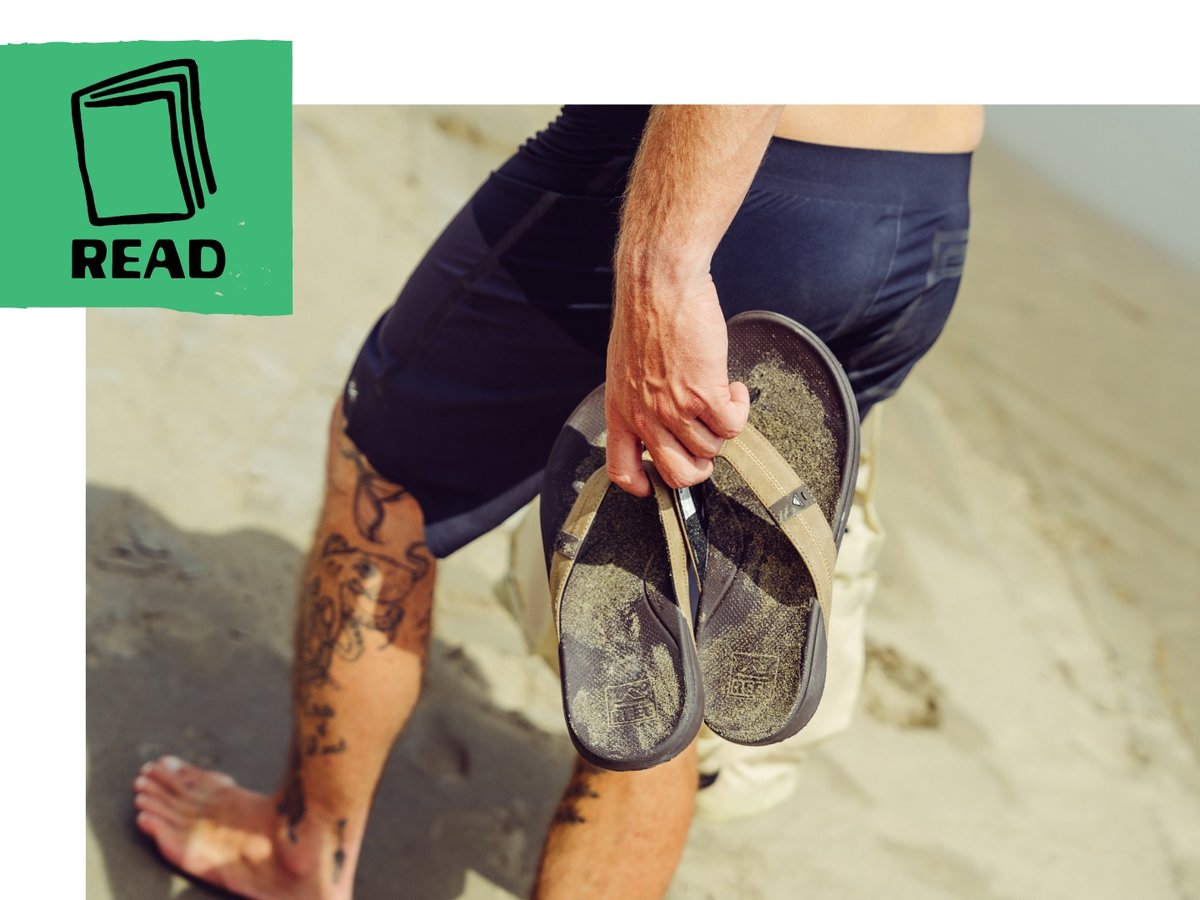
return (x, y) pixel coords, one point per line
(710, 603)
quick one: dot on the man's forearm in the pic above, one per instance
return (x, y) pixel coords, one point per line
(691, 173)
(668, 386)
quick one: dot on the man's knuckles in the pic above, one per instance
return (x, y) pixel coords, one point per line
(701, 472)
(669, 413)
(677, 474)
(642, 422)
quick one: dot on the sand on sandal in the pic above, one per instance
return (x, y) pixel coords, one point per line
(624, 685)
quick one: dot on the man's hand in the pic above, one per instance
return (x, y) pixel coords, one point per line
(668, 386)
(668, 377)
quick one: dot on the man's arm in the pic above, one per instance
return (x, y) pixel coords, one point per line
(668, 377)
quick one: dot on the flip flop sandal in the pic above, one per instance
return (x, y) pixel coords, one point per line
(765, 532)
(618, 568)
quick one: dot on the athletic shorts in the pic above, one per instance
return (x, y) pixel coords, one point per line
(462, 386)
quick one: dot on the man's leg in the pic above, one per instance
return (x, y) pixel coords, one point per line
(619, 834)
(361, 637)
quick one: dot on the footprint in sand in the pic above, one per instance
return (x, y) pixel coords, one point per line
(898, 691)
(502, 832)
(144, 548)
(442, 756)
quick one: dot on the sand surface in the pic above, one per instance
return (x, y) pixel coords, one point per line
(1031, 711)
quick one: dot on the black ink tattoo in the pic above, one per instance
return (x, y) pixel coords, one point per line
(371, 494)
(353, 591)
(374, 580)
(567, 814)
(314, 747)
(291, 804)
(350, 593)
(339, 855)
(579, 788)
(324, 629)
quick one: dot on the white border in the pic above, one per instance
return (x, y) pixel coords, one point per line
(622, 51)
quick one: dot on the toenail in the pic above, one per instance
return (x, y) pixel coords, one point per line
(172, 764)
(140, 783)
(146, 767)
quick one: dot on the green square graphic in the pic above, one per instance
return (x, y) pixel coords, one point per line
(147, 173)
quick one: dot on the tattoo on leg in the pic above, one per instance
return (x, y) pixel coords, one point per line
(579, 788)
(324, 629)
(339, 855)
(291, 805)
(351, 593)
(371, 494)
(354, 591)
(319, 742)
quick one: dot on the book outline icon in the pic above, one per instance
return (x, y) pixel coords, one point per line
(139, 137)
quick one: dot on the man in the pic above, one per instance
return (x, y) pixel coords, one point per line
(850, 220)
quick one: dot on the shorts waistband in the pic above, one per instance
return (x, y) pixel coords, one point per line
(590, 166)
(852, 173)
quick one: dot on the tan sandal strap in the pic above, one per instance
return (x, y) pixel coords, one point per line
(579, 522)
(791, 503)
(570, 537)
(676, 547)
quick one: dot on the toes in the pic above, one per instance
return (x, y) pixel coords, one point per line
(183, 806)
(165, 776)
(160, 808)
(184, 779)
(150, 823)
(175, 769)
(144, 784)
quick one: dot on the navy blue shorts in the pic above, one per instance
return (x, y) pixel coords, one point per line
(463, 384)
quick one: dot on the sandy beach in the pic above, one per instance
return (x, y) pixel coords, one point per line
(1038, 589)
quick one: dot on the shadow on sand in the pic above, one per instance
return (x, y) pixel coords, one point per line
(188, 642)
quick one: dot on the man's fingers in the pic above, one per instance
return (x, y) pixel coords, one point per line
(624, 452)
(739, 395)
(677, 466)
(698, 439)
(726, 416)
(683, 451)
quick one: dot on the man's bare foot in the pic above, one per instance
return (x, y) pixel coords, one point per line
(207, 825)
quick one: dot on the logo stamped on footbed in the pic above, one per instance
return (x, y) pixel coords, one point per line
(630, 702)
(753, 674)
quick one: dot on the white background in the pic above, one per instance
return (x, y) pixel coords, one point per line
(471, 53)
